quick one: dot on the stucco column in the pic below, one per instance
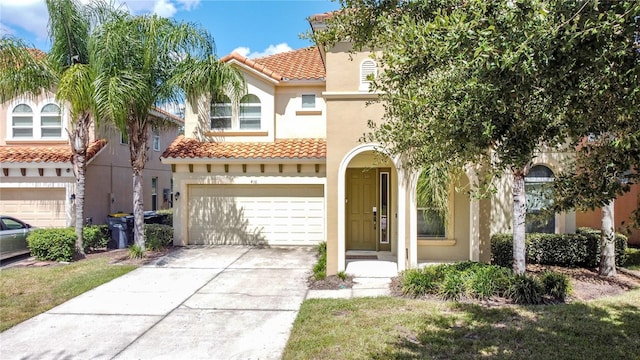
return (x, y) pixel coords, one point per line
(402, 220)
(411, 186)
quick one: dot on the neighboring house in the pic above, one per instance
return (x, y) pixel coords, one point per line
(286, 167)
(37, 181)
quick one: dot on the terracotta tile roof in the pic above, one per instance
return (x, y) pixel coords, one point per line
(188, 148)
(170, 116)
(301, 64)
(44, 153)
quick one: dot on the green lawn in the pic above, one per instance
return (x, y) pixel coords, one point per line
(29, 291)
(397, 328)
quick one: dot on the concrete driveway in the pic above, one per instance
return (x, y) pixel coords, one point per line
(196, 303)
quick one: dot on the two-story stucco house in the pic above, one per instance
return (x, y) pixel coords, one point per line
(287, 167)
(37, 183)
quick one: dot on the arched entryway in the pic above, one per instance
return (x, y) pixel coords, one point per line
(368, 202)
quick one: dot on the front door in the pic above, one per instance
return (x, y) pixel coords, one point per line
(361, 208)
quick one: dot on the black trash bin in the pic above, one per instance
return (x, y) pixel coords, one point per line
(121, 227)
(152, 217)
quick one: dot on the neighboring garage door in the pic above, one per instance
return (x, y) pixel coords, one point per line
(38, 207)
(256, 214)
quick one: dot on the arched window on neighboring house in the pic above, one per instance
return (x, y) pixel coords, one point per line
(50, 121)
(368, 69)
(22, 122)
(537, 187)
(221, 112)
(250, 112)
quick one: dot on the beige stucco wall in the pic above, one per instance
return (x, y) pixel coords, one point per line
(292, 121)
(109, 177)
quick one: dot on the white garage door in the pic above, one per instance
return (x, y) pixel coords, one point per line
(38, 207)
(256, 214)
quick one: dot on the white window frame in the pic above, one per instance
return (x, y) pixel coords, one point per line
(530, 181)
(367, 67)
(314, 105)
(36, 124)
(156, 139)
(237, 115)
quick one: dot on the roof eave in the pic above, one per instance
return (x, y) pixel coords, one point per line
(218, 160)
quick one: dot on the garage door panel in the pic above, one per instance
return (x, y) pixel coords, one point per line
(266, 214)
(38, 207)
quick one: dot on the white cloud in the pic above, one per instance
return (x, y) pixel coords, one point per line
(188, 5)
(270, 50)
(164, 8)
(5, 30)
(14, 13)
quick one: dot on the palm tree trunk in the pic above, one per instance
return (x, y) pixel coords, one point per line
(138, 149)
(79, 143)
(608, 244)
(519, 229)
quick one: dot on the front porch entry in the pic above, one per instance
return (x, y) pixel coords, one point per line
(367, 204)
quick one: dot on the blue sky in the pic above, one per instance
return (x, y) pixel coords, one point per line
(254, 28)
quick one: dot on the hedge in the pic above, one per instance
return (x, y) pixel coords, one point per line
(58, 244)
(158, 236)
(581, 249)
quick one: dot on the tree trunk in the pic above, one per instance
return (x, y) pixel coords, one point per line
(519, 229)
(608, 244)
(79, 138)
(138, 150)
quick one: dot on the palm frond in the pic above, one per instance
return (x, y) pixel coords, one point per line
(24, 71)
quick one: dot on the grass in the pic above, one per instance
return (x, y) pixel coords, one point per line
(28, 291)
(400, 328)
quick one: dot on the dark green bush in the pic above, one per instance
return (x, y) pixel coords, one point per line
(320, 267)
(567, 250)
(593, 237)
(95, 237)
(525, 289)
(419, 282)
(556, 286)
(502, 250)
(158, 236)
(488, 281)
(167, 216)
(580, 249)
(52, 244)
(452, 287)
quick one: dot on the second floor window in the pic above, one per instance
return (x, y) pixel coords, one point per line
(308, 101)
(250, 112)
(249, 116)
(221, 112)
(29, 122)
(156, 140)
(368, 71)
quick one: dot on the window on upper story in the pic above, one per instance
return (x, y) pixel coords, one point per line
(221, 112)
(250, 112)
(22, 122)
(368, 71)
(156, 140)
(30, 121)
(51, 121)
(308, 101)
(539, 197)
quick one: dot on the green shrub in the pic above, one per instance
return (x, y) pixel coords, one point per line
(135, 252)
(342, 275)
(632, 257)
(556, 286)
(452, 286)
(568, 250)
(167, 216)
(502, 250)
(525, 289)
(580, 249)
(52, 244)
(95, 237)
(488, 281)
(593, 237)
(158, 236)
(320, 267)
(419, 282)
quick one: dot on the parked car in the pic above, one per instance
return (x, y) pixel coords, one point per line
(13, 237)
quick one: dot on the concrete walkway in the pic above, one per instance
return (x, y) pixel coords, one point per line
(195, 303)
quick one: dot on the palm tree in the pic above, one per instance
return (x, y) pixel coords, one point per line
(145, 61)
(66, 69)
